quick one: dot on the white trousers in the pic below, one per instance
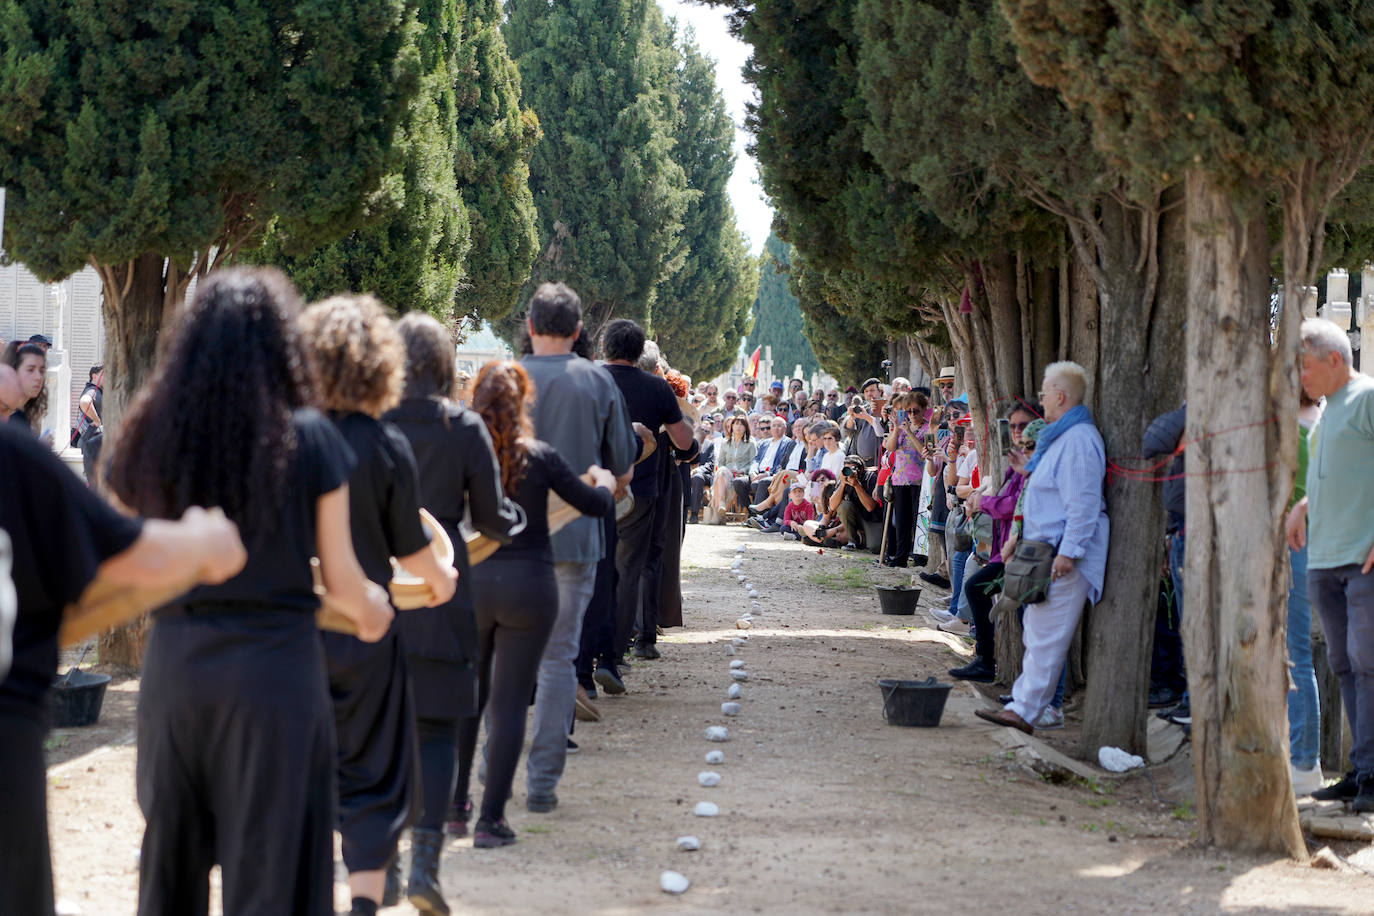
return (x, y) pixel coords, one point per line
(1047, 631)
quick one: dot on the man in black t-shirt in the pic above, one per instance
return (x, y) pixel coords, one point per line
(62, 536)
(651, 402)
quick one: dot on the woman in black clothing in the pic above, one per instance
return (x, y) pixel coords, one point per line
(359, 365)
(458, 475)
(517, 596)
(30, 363)
(235, 729)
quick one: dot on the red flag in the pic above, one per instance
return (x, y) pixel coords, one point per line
(754, 363)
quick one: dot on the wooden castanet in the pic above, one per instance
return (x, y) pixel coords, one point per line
(560, 515)
(410, 592)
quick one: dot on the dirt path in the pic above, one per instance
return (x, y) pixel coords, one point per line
(823, 807)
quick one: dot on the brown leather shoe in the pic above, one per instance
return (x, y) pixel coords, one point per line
(586, 710)
(1005, 717)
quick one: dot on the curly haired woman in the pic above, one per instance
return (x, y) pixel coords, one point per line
(360, 368)
(235, 727)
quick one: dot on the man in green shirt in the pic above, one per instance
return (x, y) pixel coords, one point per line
(1335, 520)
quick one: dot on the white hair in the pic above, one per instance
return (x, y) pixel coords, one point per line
(1320, 337)
(648, 358)
(1070, 378)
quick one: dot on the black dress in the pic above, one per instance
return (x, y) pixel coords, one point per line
(458, 476)
(374, 716)
(235, 727)
(59, 532)
(517, 604)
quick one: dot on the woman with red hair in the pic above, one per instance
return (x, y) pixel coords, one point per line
(515, 593)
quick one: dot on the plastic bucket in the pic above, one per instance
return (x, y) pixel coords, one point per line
(899, 599)
(76, 698)
(918, 703)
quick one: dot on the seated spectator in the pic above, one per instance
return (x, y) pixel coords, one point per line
(854, 504)
(728, 400)
(771, 457)
(702, 469)
(733, 458)
(833, 408)
(768, 406)
(746, 403)
(797, 512)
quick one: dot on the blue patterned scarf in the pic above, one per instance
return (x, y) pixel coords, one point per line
(1071, 418)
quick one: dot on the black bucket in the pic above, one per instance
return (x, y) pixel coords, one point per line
(76, 698)
(919, 703)
(899, 599)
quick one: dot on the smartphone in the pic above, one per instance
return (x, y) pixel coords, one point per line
(1004, 434)
(930, 442)
(901, 417)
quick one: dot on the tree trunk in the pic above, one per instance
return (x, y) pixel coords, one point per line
(1007, 630)
(1083, 319)
(1044, 285)
(1235, 583)
(1135, 331)
(135, 308)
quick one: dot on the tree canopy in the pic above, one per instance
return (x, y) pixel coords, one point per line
(609, 194)
(778, 319)
(702, 310)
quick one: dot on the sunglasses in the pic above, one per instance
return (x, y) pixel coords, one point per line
(1018, 426)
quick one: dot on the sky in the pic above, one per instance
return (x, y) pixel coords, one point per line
(751, 210)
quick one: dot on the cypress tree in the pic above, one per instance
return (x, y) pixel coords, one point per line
(156, 141)
(778, 321)
(701, 311)
(609, 195)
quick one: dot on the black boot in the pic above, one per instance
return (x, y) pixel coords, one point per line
(423, 888)
(391, 895)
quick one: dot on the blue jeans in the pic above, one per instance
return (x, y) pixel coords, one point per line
(1176, 550)
(956, 583)
(1304, 710)
(1344, 597)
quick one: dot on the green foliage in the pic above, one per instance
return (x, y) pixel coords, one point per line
(1245, 89)
(496, 137)
(169, 127)
(846, 347)
(777, 315)
(702, 310)
(609, 195)
(410, 252)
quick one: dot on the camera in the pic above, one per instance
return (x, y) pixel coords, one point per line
(886, 364)
(848, 471)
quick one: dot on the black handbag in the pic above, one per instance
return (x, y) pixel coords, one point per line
(1026, 578)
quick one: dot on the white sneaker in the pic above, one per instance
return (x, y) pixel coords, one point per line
(1050, 719)
(1306, 781)
(941, 615)
(956, 626)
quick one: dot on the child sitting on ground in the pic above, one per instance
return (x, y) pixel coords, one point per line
(797, 512)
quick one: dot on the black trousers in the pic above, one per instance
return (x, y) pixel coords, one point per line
(517, 604)
(236, 765)
(598, 621)
(438, 740)
(379, 765)
(900, 538)
(980, 594)
(634, 534)
(700, 486)
(25, 864)
(651, 579)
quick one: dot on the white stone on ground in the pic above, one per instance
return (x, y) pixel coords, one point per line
(673, 883)
(688, 843)
(717, 733)
(736, 663)
(733, 692)
(706, 809)
(738, 640)
(740, 577)
(708, 779)
(740, 674)
(729, 708)
(753, 594)
(715, 756)
(739, 549)
(730, 649)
